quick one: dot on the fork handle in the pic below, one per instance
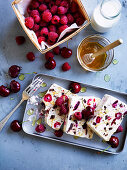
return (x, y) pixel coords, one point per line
(3, 122)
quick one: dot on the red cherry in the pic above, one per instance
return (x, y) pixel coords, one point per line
(58, 133)
(14, 86)
(66, 52)
(16, 126)
(114, 142)
(48, 98)
(4, 91)
(30, 56)
(50, 64)
(14, 71)
(78, 115)
(75, 87)
(40, 128)
(87, 113)
(57, 124)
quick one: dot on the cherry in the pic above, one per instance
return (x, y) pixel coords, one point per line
(40, 128)
(14, 86)
(66, 52)
(87, 113)
(58, 133)
(30, 56)
(16, 126)
(57, 124)
(114, 142)
(14, 71)
(75, 87)
(4, 91)
(50, 64)
(78, 115)
(48, 98)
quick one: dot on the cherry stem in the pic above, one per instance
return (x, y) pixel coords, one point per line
(30, 73)
(106, 149)
(24, 122)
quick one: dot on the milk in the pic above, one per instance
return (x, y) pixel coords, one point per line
(106, 15)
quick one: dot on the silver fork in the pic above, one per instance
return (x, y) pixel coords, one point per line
(27, 93)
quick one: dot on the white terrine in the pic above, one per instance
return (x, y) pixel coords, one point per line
(108, 117)
(76, 127)
(52, 116)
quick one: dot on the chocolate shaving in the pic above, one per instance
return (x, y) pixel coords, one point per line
(84, 101)
(51, 90)
(55, 106)
(94, 123)
(110, 128)
(71, 126)
(52, 117)
(76, 106)
(43, 105)
(105, 107)
(104, 128)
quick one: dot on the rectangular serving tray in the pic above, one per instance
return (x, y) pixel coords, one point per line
(96, 143)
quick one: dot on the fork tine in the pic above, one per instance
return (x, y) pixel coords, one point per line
(32, 84)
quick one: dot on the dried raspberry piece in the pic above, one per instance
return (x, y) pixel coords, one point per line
(36, 18)
(20, 40)
(73, 7)
(63, 110)
(62, 28)
(78, 115)
(48, 98)
(52, 28)
(54, 9)
(114, 105)
(35, 4)
(65, 4)
(44, 31)
(43, 23)
(79, 21)
(58, 133)
(46, 16)
(29, 22)
(42, 7)
(49, 55)
(58, 2)
(34, 12)
(66, 66)
(36, 27)
(70, 18)
(30, 56)
(62, 10)
(55, 19)
(63, 20)
(40, 39)
(52, 36)
(56, 50)
(120, 129)
(40, 128)
(98, 119)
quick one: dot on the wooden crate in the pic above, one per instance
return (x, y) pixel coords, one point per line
(32, 36)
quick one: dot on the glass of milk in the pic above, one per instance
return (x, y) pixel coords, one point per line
(106, 15)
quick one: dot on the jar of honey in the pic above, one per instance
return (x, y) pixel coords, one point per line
(92, 44)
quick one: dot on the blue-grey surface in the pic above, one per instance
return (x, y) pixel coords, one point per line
(23, 152)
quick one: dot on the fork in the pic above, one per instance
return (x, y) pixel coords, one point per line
(27, 93)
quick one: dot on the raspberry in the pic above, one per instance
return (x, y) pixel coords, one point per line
(58, 2)
(46, 16)
(54, 9)
(62, 28)
(74, 7)
(48, 55)
(43, 23)
(55, 19)
(29, 9)
(77, 15)
(58, 133)
(40, 128)
(44, 31)
(52, 28)
(51, 4)
(34, 12)
(48, 98)
(63, 110)
(50, 42)
(70, 18)
(52, 36)
(41, 1)
(62, 10)
(42, 7)
(36, 27)
(29, 22)
(35, 4)
(36, 18)
(20, 40)
(59, 101)
(66, 66)
(30, 56)
(56, 50)
(78, 115)
(65, 4)
(37, 33)
(64, 20)
(40, 39)
(47, 1)
(65, 98)
(79, 21)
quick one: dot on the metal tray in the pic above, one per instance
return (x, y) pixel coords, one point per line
(95, 143)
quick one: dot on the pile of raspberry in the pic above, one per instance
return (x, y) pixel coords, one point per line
(48, 18)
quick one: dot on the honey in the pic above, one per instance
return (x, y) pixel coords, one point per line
(92, 47)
